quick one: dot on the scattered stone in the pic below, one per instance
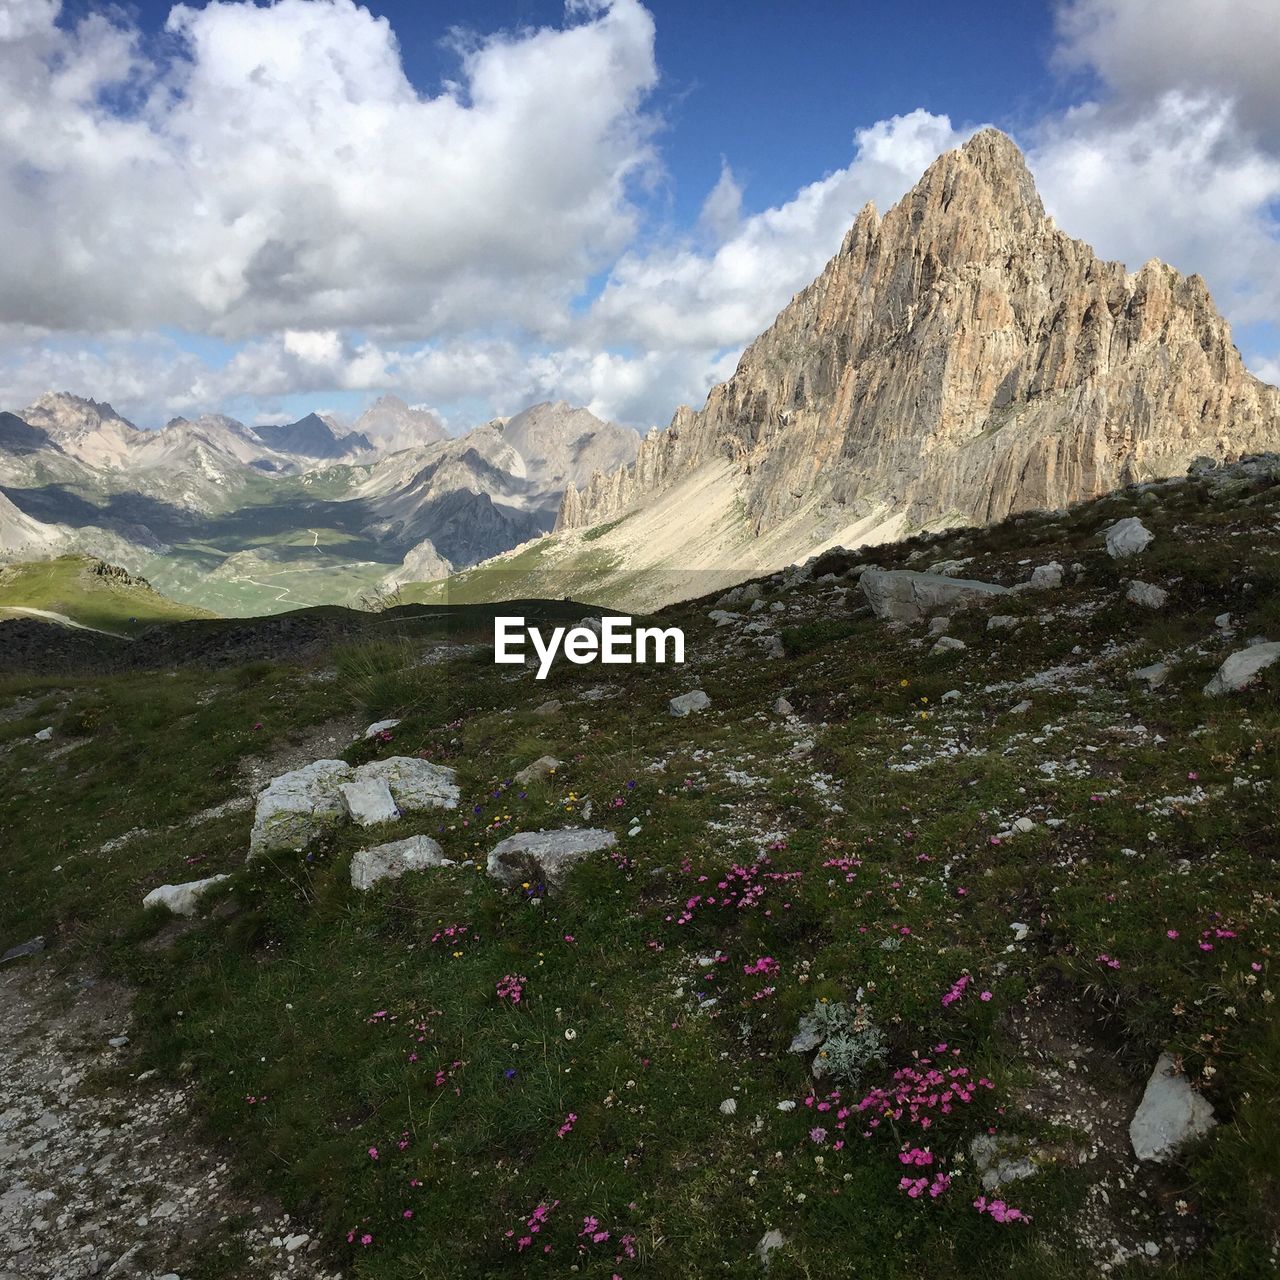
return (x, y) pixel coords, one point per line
(687, 702)
(1170, 1114)
(369, 801)
(951, 695)
(391, 861)
(181, 899)
(1024, 825)
(722, 618)
(1000, 1159)
(382, 726)
(948, 644)
(1046, 576)
(542, 767)
(1155, 675)
(903, 595)
(547, 708)
(782, 707)
(1223, 622)
(1241, 667)
(774, 648)
(545, 857)
(1001, 622)
(1021, 708)
(1144, 593)
(729, 1107)
(938, 626)
(415, 784)
(32, 947)
(298, 806)
(1128, 537)
(43, 735)
(770, 1243)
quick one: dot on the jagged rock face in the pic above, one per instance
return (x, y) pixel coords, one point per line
(959, 360)
(90, 431)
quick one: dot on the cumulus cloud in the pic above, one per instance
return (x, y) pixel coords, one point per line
(279, 170)
(274, 179)
(1143, 49)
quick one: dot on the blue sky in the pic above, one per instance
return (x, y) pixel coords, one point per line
(268, 209)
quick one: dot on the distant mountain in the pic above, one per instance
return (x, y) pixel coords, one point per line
(313, 437)
(88, 430)
(562, 444)
(389, 425)
(253, 519)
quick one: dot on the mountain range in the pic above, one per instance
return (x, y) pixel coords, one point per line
(960, 359)
(244, 519)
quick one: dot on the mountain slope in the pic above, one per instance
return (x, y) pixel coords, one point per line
(956, 361)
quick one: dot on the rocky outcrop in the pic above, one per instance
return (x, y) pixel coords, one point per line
(903, 595)
(958, 360)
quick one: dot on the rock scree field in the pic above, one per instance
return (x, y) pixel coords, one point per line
(938, 938)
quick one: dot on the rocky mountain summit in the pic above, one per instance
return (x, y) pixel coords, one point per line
(959, 359)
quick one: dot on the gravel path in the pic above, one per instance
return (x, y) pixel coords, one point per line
(99, 1179)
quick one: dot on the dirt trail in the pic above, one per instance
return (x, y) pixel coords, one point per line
(104, 1179)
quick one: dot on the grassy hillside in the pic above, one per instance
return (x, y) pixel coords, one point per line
(1011, 864)
(89, 593)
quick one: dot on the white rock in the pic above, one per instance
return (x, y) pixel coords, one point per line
(722, 618)
(1046, 576)
(43, 735)
(687, 702)
(1128, 537)
(774, 648)
(906, 596)
(769, 1243)
(1001, 622)
(1144, 593)
(391, 861)
(369, 801)
(1021, 708)
(938, 626)
(297, 806)
(382, 726)
(1241, 667)
(545, 856)
(181, 899)
(541, 768)
(1024, 825)
(1170, 1114)
(1223, 622)
(1155, 675)
(948, 644)
(951, 695)
(782, 707)
(415, 784)
(293, 1243)
(729, 1107)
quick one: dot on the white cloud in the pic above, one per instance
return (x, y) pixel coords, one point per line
(281, 171)
(1143, 49)
(279, 182)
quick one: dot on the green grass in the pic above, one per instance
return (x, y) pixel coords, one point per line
(70, 586)
(314, 1020)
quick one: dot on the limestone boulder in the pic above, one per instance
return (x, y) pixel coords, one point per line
(181, 899)
(902, 595)
(298, 806)
(545, 857)
(1241, 667)
(391, 861)
(1170, 1114)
